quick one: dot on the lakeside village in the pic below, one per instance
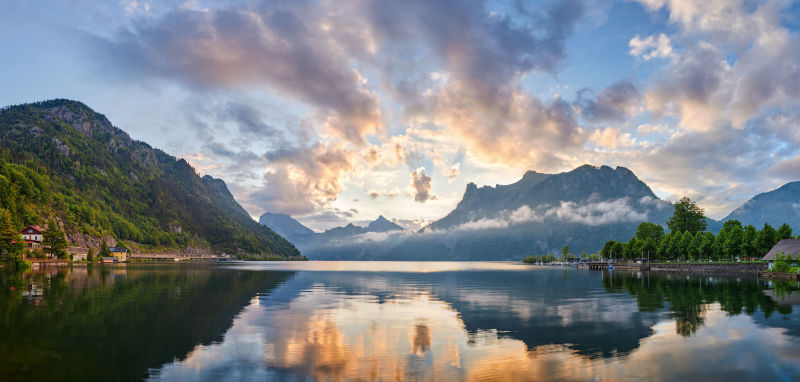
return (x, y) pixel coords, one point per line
(37, 247)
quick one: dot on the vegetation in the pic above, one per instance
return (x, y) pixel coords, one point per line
(62, 162)
(11, 243)
(689, 241)
(544, 259)
(688, 217)
(783, 263)
(687, 298)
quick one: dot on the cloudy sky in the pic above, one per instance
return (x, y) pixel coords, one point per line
(340, 110)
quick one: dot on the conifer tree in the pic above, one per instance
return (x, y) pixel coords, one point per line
(104, 252)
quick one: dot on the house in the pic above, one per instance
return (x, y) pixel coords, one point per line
(120, 253)
(109, 260)
(32, 235)
(787, 246)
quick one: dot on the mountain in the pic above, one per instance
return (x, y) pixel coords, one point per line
(540, 213)
(61, 160)
(285, 226)
(381, 224)
(585, 184)
(348, 239)
(775, 207)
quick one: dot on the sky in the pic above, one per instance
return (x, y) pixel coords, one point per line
(340, 111)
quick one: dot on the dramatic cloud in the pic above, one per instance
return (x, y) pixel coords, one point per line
(421, 186)
(286, 46)
(477, 95)
(302, 180)
(316, 107)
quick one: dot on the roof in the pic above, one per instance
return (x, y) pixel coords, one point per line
(36, 227)
(118, 249)
(788, 246)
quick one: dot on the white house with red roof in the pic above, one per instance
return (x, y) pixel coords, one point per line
(32, 235)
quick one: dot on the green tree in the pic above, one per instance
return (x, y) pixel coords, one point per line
(104, 252)
(685, 246)
(732, 245)
(749, 241)
(766, 239)
(617, 250)
(90, 255)
(650, 231)
(565, 252)
(11, 243)
(687, 216)
(648, 248)
(662, 249)
(695, 251)
(707, 246)
(607, 250)
(631, 250)
(53, 239)
(784, 232)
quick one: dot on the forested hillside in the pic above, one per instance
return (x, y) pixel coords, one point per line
(60, 159)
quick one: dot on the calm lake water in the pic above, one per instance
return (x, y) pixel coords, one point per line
(393, 321)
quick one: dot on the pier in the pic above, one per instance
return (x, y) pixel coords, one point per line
(176, 257)
(598, 265)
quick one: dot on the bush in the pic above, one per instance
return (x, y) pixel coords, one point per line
(23, 265)
(38, 253)
(783, 263)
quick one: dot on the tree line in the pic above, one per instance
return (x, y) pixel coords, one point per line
(689, 239)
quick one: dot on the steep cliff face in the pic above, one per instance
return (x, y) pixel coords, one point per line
(62, 160)
(583, 185)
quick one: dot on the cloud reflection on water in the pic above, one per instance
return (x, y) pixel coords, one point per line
(341, 326)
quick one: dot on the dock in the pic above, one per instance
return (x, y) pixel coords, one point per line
(176, 257)
(598, 265)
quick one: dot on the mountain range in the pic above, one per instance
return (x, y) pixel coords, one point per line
(63, 162)
(540, 213)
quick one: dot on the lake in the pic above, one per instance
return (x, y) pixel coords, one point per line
(475, 321)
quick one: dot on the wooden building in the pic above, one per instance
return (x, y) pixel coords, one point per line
(32, 235)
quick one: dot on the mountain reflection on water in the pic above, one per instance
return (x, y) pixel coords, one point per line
(398, 321)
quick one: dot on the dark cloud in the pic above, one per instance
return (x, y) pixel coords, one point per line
(251, 122)
(280, 44)
(613, 103)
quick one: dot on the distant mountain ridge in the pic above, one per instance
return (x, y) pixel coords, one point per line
(775, 207)
(306, 239)
(63, 160)
(285, 225)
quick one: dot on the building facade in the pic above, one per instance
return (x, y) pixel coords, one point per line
(32, 235)
(120, 253)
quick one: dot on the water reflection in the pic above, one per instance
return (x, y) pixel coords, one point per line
(424, 321)
(102, 323)
(531, 324)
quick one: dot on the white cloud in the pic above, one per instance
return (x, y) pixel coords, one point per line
(651, 47)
